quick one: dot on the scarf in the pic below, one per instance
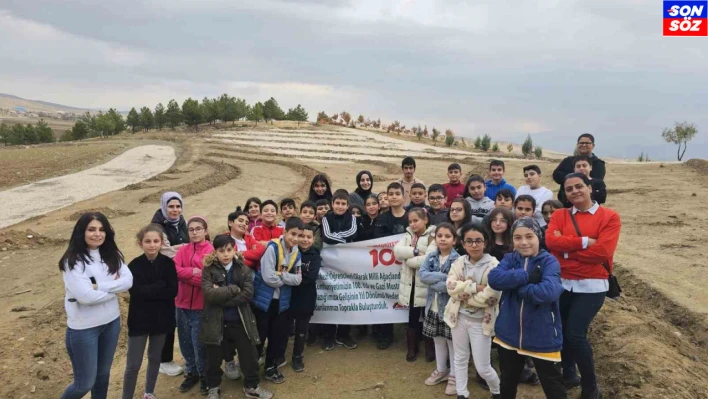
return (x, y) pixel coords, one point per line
(165, 198)
(364, 194)
(463, 292)
(530, 223)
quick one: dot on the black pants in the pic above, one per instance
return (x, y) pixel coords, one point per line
(302, 326)
(169, 347)
(330, 331)
(235, 338)
(273, 326)
(414, 313)
(512, 364)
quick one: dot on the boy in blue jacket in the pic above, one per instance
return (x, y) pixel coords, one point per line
(529, 318)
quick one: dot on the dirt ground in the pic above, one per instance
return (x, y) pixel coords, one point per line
(652, 343)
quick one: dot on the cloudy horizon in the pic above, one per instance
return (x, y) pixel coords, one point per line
(554, 69)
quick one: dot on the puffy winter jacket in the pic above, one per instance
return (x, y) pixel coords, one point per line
(189, 292)
(411, 265)
(529, 317)
(434, 275)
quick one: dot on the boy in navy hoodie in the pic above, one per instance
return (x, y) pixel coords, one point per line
(338, 227)
(302, 304)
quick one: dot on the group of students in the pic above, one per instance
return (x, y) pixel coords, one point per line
(483, 264)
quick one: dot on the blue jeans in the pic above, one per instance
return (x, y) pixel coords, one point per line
(188, 324)
(577, 312)
(91, 352)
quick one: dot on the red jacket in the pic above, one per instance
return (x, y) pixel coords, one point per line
(452, 192)
(189, 289)
(604, 226)
(254, 252)
(265, 233)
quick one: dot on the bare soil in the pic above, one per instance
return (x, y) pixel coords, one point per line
(652, 343)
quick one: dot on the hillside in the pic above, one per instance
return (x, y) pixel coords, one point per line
(10, 102)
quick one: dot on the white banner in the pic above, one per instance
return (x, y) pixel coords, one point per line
(358, 284)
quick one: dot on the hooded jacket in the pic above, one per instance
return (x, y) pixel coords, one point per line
(434, 275)
(152, 296)
(492, 189)
(411, 265)
(227, 296)
(304, 296)
(189, 257)
(529, 317)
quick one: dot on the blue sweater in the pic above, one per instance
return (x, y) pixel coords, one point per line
(529, 317)
(492, 189)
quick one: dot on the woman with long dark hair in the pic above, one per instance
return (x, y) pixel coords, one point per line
(320, 188)
(94, 272)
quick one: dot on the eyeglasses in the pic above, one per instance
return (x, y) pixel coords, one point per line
(436, 198)
(474, 242)
(585, 143)
(456, 210)
(196, 230)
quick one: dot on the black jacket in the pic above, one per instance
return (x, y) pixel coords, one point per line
(438, 217)
(387, 225)
(304, 295)
(152, 296)
(367, 226)
(566, 167)
(339, 229)
(174, 236)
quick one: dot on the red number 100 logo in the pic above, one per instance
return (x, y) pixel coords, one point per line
(384, 257)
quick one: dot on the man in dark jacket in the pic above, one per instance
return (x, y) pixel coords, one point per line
(227, 320)
(302, 303)
(586, 144)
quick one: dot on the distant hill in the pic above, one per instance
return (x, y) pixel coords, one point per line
(9, 101)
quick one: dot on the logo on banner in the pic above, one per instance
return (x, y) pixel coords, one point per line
(685, 18)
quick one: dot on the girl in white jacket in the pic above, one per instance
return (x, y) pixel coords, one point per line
(418, 241)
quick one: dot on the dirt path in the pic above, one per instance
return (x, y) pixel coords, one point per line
(38, 198)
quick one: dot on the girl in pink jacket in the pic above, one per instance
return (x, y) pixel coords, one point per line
(190, 301)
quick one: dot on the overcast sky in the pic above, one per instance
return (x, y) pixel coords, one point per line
(554, 69)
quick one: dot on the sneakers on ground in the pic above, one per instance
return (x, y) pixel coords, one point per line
(328, 344)
(214, 393)
(232, 371)
(149, 396)
(273, 375)
(346, 342)
(190, 380)
(257, 392)
(384, 342)
(451, 388)
(298, 363)
(171, 369)
(437, 377)
(281, 362)
(571, 383)
(203, 389)
(462, 397)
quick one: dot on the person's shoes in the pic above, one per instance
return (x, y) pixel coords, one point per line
(149, 396)
(595, 394)
(571, 383)
(328, 344)
(190, 380)
(451, 387)
(429, 349)
(257, 392)
(281, 362)
(298, 363)
(273, 375)
(462, 397)
(531, 379)
(311, 339)
(384, 342)
(411, 344)
(437, 377)
(171, 369)
(346, 342)
(232, 371)
(214, 393)
(203, 389)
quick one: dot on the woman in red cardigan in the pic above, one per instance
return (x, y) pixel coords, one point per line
(583, 275)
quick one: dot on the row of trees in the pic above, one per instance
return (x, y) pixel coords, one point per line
(20, 134)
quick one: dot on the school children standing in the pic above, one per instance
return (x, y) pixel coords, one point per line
(408, 167)
(338, 227)
(273, 282)
(228, 323)
(323, 206)
(472, 309)
(364, 185)
(433, 273)
(529, 322)
(383, 202)
(308, 215)
(416, 244)
(371, 212)
(190, 302)
(533, 187)
(418, 197)
(499, 228)
(288, 209)
(302, 304)
(247, 248)
(151, 310)
(437, 197)
(94, 273)
(269, 229)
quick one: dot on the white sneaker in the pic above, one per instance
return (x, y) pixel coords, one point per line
(171, 369)
(232, 371)
(257, 392)
(214, 393)
(149, 396)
